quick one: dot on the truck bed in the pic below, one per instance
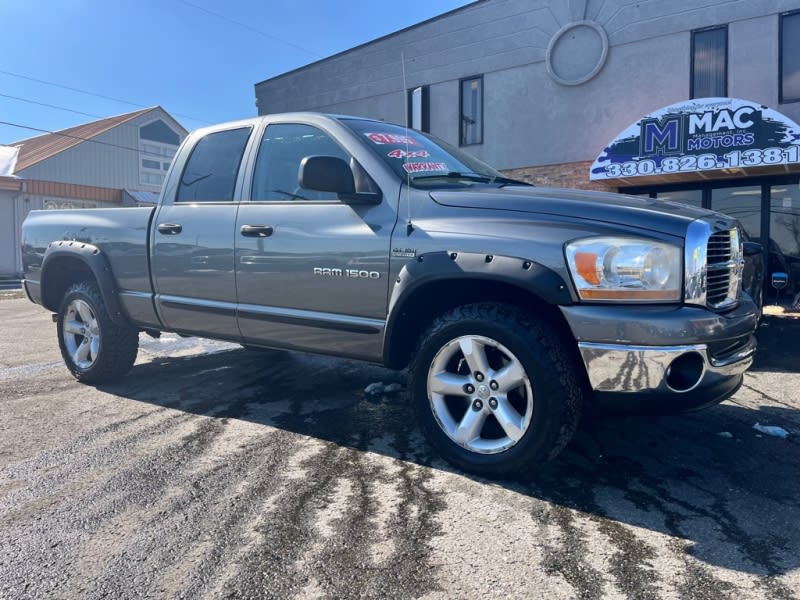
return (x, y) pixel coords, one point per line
(121, 234)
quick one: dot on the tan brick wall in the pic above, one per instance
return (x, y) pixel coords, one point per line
(566, 175)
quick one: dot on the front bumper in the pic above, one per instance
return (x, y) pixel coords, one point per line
(686, 355)
(662, 369)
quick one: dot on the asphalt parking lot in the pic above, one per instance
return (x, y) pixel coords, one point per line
(213, 472)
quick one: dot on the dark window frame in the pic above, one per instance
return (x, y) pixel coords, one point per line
(155, 122)
(781, 98)
(461, 141)
(692, 61)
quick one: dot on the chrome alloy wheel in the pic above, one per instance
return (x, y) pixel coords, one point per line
(81, 333)
(480, 394)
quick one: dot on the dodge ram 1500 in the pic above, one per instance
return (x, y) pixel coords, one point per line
(513, 306)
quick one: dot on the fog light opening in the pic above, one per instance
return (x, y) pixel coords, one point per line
(685, 372)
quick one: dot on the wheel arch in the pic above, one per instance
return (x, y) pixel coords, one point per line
(435, 283)
(66, 263)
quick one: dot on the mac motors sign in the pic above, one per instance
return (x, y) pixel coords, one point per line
(707, 134)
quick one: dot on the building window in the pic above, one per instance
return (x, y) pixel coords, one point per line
(158, 143)
(471, 111)
(691, 197)
(790, 58)
(710, 63)
(154, 161)
(158, 131)
(784, 233)
(419, 109)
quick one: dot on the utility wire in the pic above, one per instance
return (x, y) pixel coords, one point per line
(251, 28)
(64, 108)
(67, 135)
(88, 93)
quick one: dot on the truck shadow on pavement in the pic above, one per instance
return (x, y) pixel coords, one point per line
(711, 485)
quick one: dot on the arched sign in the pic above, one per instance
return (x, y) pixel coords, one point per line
(698, 136)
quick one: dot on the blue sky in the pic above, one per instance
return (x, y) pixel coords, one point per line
(172, 52)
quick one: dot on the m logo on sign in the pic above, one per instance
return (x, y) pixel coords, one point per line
(660, 137)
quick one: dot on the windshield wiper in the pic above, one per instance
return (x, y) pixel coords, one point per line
(509, 181)
(455, 175)
(195, 180)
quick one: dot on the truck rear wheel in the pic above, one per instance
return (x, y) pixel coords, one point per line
(494, 390)
(94, 348)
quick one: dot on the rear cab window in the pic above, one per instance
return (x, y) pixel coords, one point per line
(213, 165)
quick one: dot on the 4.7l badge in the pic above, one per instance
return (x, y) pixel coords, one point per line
(349, 273)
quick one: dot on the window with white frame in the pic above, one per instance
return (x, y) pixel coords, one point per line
(471, 111)
(158, 144)
(418, 114)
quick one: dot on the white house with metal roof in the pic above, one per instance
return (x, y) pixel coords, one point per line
(117, 161)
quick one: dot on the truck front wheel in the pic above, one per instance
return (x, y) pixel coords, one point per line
(494, 390)
(94, 348)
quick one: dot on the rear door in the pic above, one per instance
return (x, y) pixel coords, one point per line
(192, 249)
(311, 269)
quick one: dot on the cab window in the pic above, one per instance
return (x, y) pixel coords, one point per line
(277, 170)
(210, 173)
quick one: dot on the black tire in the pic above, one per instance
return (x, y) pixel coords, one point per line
(552, 381)
(112, 347)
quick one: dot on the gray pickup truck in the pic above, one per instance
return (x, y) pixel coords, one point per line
(514, 307)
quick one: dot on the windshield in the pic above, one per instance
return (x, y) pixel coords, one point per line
(424, 160)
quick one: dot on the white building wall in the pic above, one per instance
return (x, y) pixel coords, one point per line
(14, 207)
(8, 235)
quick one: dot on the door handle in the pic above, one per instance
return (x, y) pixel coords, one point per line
(256, 230)
(169, 228)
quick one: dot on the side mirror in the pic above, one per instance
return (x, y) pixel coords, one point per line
(752, 248)
(326, 174)
(332, 174)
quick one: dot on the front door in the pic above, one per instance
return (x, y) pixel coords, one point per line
(311, 270)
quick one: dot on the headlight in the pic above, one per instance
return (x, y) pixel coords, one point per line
(632, 269)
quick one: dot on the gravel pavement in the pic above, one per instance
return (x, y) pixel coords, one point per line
(214, 472)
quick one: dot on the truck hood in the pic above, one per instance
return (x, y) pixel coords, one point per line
(605, 207)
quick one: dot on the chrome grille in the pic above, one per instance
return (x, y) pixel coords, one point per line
(724, 269)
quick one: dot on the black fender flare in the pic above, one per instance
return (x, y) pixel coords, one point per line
(98, 264)
(519, 272)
